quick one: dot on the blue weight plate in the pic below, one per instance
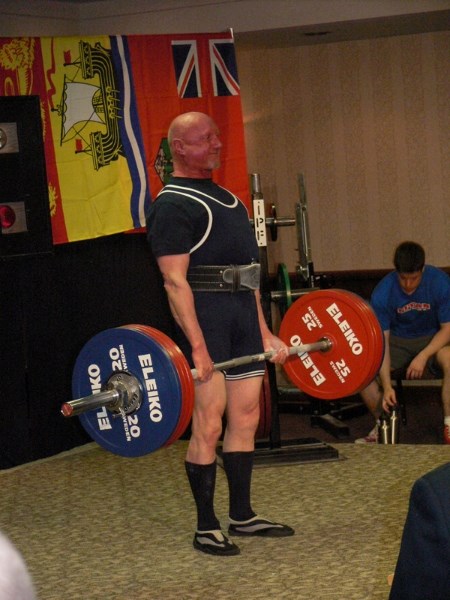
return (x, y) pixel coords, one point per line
(151, 425)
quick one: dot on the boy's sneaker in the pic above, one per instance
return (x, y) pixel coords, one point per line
(214, 542)
(446, 434)
(371, 437)
(259, 527)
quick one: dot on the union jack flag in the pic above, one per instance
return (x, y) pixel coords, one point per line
(187, 72)
(223, 67)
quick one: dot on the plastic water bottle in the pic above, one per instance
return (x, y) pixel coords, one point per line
(384, 429)
(395, 424)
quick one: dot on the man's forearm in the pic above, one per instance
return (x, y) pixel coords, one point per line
(385, 369)
(264, 328)
(181, 302)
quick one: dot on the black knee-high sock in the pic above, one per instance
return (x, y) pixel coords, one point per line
(202, 479)
(238, 467)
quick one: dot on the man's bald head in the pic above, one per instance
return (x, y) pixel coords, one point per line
(184, 123)
(195, 145)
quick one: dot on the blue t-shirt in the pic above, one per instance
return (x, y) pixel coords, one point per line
(418, 314)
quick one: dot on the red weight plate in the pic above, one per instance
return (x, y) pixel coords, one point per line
(186, 379)
(374, 340)
(357, 343)
(265, 409)
(377, 339)
(184, 373)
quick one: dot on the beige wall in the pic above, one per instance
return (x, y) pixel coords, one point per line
(367, 123)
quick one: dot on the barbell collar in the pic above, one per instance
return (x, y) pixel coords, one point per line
(112, 399)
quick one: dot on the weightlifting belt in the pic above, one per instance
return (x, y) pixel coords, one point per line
(224, 278)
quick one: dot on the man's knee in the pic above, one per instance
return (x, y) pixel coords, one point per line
(443, 359)
(206, 433)
(371, 391)
(244, 417)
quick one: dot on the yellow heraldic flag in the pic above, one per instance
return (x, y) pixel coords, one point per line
(94, 177)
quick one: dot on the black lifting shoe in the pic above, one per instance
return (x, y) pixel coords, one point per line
(258, 526)
(214, 542)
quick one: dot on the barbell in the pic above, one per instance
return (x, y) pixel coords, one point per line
(134, 390)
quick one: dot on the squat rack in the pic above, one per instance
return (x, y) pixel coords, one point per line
(276, 450)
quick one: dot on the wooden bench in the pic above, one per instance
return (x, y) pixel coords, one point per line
(398, 377)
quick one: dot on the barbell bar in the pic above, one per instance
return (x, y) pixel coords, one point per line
(122, 392)
(134, 389)
(320, 346)
(122, 385)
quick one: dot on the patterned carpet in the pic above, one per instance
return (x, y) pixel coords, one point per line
(94, 526)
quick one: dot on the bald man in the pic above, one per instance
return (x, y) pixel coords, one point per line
(206, 250)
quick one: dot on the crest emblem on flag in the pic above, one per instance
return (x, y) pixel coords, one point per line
(89, 98)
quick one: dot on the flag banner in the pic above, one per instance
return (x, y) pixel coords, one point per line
(106, 105)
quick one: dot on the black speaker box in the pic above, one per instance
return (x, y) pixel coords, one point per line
(25, 227)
